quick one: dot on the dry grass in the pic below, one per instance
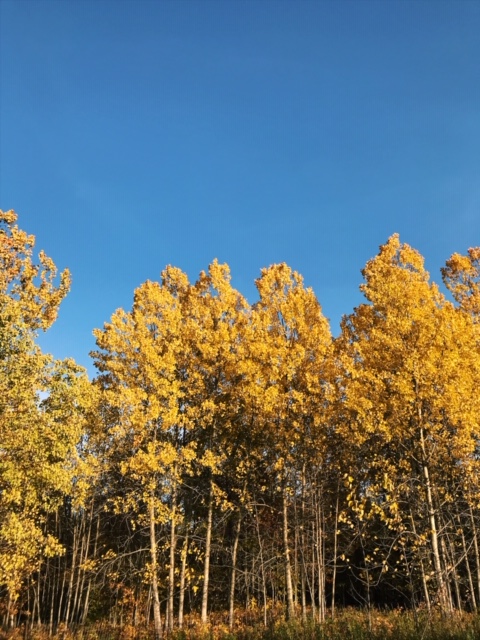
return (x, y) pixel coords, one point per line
(350, 624)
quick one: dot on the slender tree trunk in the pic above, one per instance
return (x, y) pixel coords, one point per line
(231, 606)
(422, 567)
(367, 573)
(148, 606)
(476, 551)
(320, 547)
(206, 566)
(89, 583)
(262, 568)
(335, 548)
(303, 549)
(83, 596)
(60, 600)
(82, 556)
(303, 592)
(72, 573)
(295, 555)
(39, 594)
(437, 563)
(11, 611)
(173, 545)
(445, 563)
(313, 568)
(467, 566)
(286, 550)
(37, 604)
(439, 577)
(183, 570)
(153, 561)
(31, 587)
(425, 586)
(450, 555)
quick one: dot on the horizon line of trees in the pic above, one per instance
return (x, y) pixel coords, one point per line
(238, 457)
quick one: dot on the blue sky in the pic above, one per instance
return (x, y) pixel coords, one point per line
(135, 134)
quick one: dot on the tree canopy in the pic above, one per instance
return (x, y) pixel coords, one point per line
(232, 454)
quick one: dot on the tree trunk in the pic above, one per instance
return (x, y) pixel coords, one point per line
(335, 547)
(83, 555)
(422, 567)
(320, 547)
(173, 544)
(452, 561)
(89, 583)
(183, 568)
(72, 573)
(206, 566)
(439, 577)
(60, 600)
(157, 619)
(262, 567)
(231, 606)
(286, 550)
(477, 553)
(469, 572)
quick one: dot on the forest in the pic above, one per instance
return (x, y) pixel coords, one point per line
(235, 462)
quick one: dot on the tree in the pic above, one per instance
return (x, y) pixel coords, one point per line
(40, 418)
(218, 316)
(141, 359)
(410, 390)
(291, 347)
(167, 371)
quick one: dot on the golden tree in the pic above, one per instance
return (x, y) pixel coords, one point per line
(40, 408)
(461, 275)
(140, 362)
(166, 377)
(217, 317)
(290, 380)
(410, 390)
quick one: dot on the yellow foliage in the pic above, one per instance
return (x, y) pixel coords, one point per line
(41, 407)
(410, 383)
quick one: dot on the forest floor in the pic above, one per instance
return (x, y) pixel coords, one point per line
(349, 624)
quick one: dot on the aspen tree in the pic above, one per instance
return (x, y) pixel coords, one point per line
(461, 276)
(217, 316)
(292, 340)
(410, 383)
(140, 360)
(40, 425)
(167, 370)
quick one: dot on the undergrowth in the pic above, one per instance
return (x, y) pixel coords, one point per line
(349, 624)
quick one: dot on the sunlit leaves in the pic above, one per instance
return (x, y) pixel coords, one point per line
(411, 374)
(461, 275)
(41, 419)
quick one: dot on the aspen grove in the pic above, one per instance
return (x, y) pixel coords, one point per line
(233, 457)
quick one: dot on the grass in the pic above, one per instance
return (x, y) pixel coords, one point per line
(350, 624)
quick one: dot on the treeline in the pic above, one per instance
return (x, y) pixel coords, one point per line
(234, 457)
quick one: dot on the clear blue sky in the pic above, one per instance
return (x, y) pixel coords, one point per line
(135, 134)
